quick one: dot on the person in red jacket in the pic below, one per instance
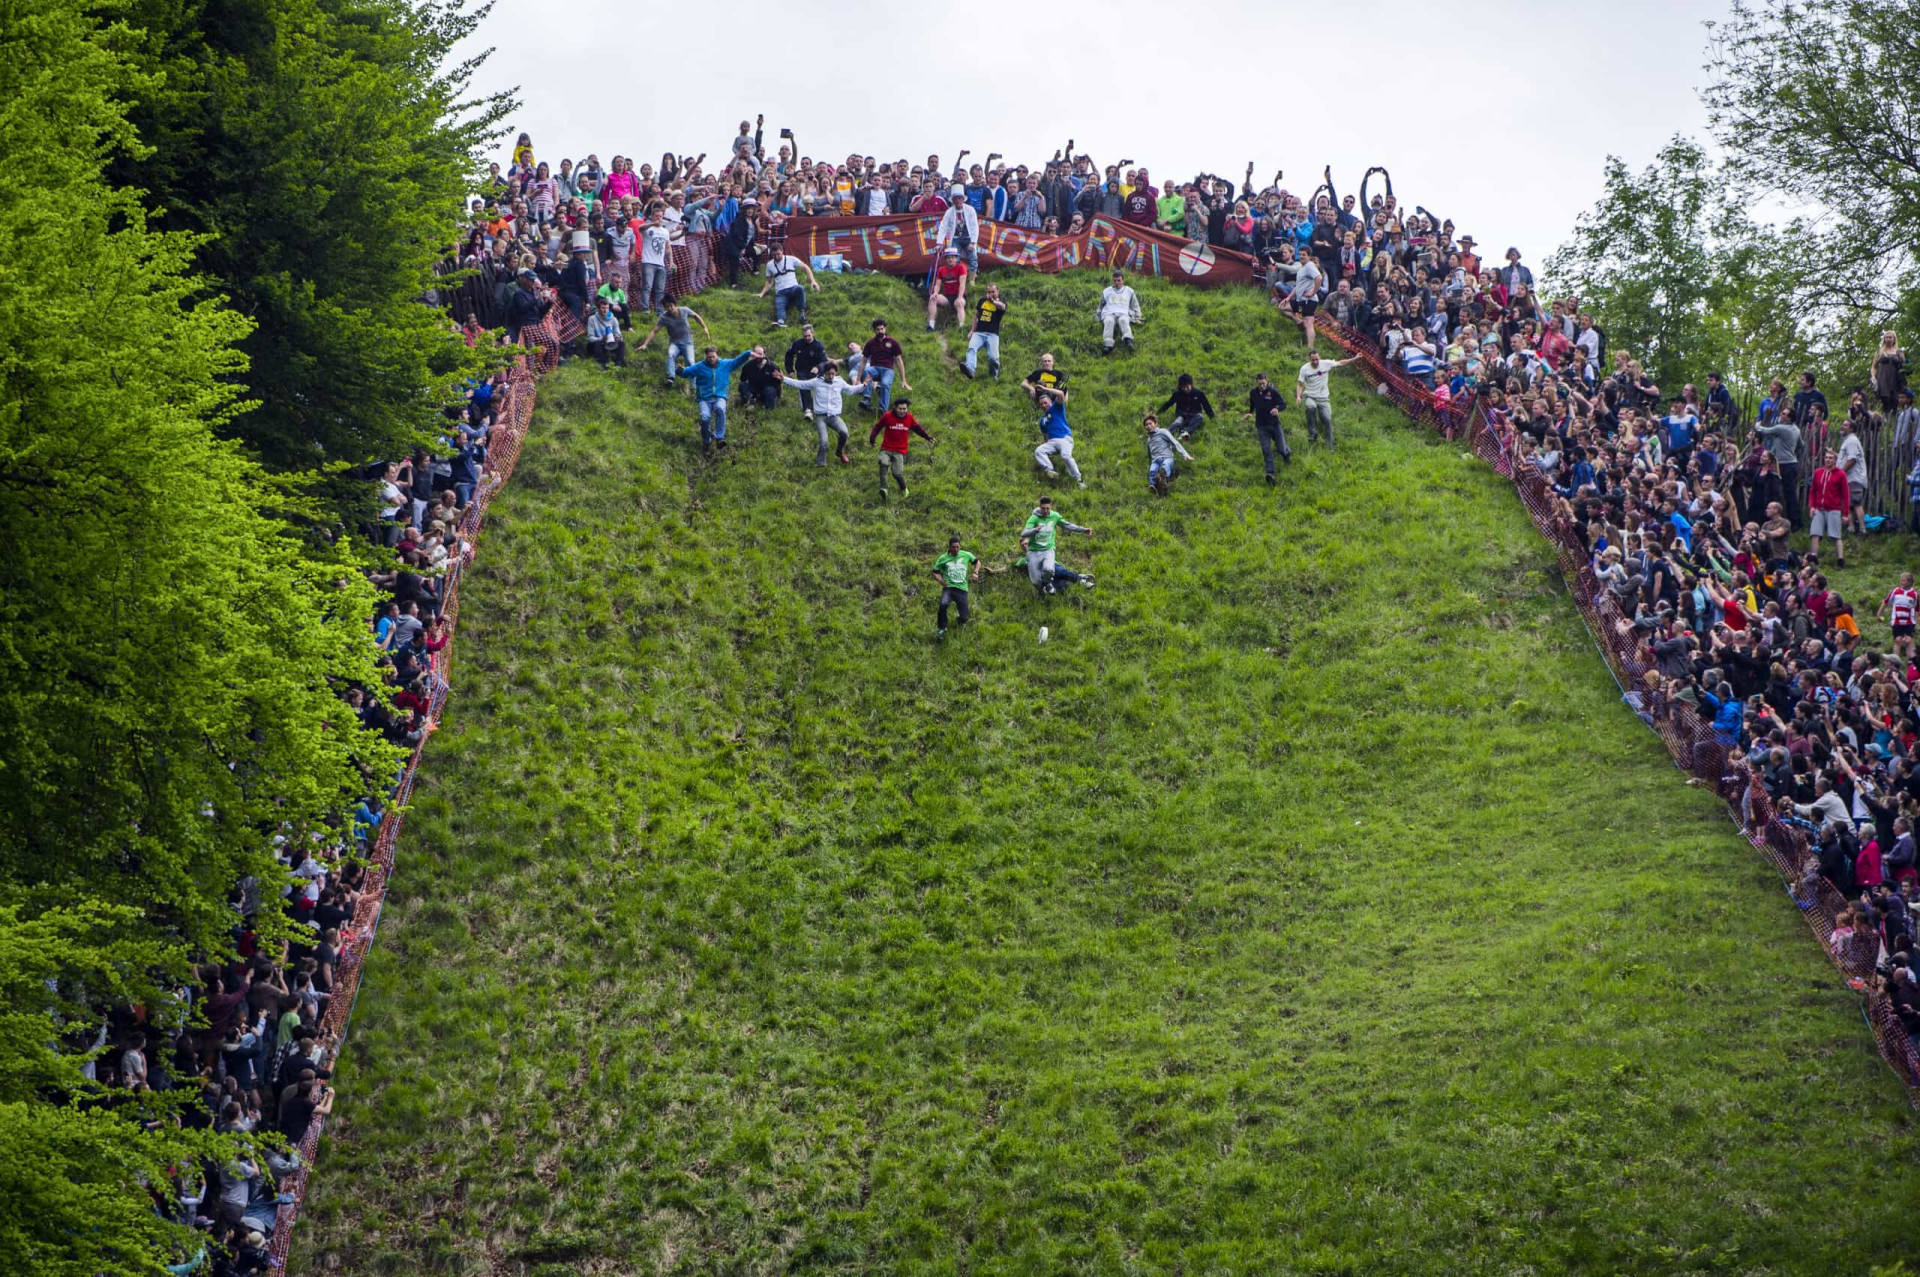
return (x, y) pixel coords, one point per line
(894, 430)
(1828, 499)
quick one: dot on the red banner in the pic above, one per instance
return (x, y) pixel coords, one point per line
(905, 245)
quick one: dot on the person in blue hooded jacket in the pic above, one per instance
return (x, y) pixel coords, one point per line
(712, 378)
(1729, 712)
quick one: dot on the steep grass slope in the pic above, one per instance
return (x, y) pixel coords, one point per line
(1308, 903)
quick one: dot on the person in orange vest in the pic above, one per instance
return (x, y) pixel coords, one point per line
(893, 429)
(1828, 499)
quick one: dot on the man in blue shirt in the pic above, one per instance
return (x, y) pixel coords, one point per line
(1059, 436)
(712, 378)
(1678, 430)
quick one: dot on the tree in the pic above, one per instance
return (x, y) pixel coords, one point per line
(324, 148)
(1819, 101)
(170, 656)
(76, 1158)
(1679, 276)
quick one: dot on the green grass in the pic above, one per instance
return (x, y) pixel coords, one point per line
(1308, 904)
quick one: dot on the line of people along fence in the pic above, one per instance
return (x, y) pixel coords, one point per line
(1688, 737)
(511, 419)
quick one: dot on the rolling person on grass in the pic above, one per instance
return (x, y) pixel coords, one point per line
(1161, 445)
(952, 571)
(1119, 308)
(1045, 377)
(949, 287)
(678, 320)
(711, 379)
(987, 314)
(805, 356)
(884, 361)
(827, 394)
(1265, 403)
(1037, 538)
(1191, 407)
(897, 425)
(1311, 390)
(1058, 436)
(783, 280)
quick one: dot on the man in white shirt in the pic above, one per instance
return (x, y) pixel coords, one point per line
(1119, 308)
(829, 396)
(656, 245)
(1853, 460)
(1310, 390)
(783, 277)
(960, 229)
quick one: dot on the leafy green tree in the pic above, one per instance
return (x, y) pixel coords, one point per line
(166, 648)
(324, 148)
(1815, 102)
(75, 1158)
(1680, 276)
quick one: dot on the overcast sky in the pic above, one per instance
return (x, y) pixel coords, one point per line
(1531, 97)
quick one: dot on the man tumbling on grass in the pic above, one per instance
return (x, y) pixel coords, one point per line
(897, 425)
(952, 570)
(1043, 525)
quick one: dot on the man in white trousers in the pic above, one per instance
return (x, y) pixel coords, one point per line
(1119, 308)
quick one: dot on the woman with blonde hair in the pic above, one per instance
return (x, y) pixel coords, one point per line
(1889, 370)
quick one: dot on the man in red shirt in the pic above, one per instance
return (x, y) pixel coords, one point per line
(949, 287)
(884, 362)
(1828, 500)
(894, 430)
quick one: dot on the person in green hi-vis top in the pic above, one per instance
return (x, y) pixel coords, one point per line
(954, 569)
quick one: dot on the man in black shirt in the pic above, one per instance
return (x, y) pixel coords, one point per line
(1804, 401)
(1265, 403)
(1188, 405)
(760, 379)
(988, 311)
(1045, 377)
(803, 362)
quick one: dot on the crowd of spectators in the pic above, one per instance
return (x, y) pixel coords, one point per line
(1692, 517)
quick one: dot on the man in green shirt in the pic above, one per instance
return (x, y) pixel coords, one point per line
(1171, 213)
(952, 570)
(1043, 525)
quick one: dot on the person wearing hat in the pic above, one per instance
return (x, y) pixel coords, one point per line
(949, 289)
(527, 305)
(959, 229)
(1469, 260)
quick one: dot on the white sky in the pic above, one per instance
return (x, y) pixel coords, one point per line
(1532, 97)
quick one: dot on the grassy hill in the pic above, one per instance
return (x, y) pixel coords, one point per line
(1308, 903)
